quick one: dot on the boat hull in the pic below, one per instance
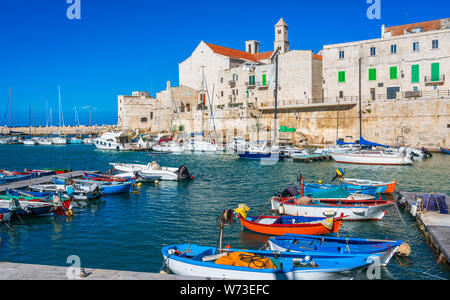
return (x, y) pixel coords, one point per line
(362, 159)
(352, 212)
(382, 188)
(445, 150)
(312, 228)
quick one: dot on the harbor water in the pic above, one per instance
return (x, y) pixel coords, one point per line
(126, 232)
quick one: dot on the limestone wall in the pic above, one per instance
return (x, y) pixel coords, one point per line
(417, 123)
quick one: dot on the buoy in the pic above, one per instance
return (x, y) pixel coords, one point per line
(139, 184)
(404, 250)
(320, 181)
(163, 272)
(414, 210)
(156, 182)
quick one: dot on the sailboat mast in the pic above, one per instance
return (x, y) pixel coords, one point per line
(360, 106)
(35, 119)
(276, 102)
(10, 108)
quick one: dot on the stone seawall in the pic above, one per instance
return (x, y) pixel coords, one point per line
(416, 123)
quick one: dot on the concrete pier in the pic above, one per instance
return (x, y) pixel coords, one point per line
(39, 180)
(435, 226)
(14, 271)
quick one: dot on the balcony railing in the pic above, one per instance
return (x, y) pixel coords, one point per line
(435, 79)
(261, 86)
(250, 84)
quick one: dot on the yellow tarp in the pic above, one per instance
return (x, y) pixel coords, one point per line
(242, 259)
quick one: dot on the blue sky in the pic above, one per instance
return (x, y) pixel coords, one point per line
(120, 46)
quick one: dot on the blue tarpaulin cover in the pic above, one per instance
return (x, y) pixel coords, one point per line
(363, 142)
(435, 202)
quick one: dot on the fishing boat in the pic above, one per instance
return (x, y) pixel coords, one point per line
(166, 173)
(32, 207)
(381, 187)
(237, 264)
(81, 192)
(288, 224)
(106, 188)
(445, 150)
(374, 157)
(353, 208)
(338, 247)
(74, 141)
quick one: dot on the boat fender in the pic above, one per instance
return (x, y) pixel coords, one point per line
(404, 250)
(359, 212)
(281, 210)
(414, 209)
(329, 213)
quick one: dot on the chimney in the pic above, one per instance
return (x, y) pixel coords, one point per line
(383, 30)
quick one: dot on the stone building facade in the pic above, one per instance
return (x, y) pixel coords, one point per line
(407, 61)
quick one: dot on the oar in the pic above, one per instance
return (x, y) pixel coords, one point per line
(23, 194)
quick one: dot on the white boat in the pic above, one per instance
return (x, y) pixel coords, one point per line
(59, 140)
(118, 141)
(355, 209)
(140, 177)
(165, 173)
(372, 158)
(29, 142)
(203, 147)
(44, 141)
(88, 141)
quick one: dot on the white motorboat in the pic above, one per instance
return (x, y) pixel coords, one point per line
(376, 157)
(203, 147)
(118, 141)
(166, 173)
(88, 141)
(44, 141)
(29, 142)
(59, 140)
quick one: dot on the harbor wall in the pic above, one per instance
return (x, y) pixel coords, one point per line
(415, 123)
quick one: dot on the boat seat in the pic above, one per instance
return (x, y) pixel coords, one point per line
(267, 221)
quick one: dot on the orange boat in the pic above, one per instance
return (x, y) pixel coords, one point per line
(291, 225)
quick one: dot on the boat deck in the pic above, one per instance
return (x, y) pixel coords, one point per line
(436, 226)
(39, 180)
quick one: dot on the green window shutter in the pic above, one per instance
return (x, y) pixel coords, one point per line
(372, 74)
(415, 74)
(264, 79)
(341, 77)
(435, 72)
(248, 94)
(393, 72)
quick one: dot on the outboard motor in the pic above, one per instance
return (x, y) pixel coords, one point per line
(183, 173)
(413, 155)
(426, 153)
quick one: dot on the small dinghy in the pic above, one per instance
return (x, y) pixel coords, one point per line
(237, 264)
(288, 224)
(334, 246)
(80, 192)
(364, 190)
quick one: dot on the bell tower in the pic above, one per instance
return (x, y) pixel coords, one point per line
(281, 37)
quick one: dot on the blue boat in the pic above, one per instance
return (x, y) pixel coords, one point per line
(334, 246)
(237, 264)
(13, 178)
(445, 150)
(258, 155)
(365, 190)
